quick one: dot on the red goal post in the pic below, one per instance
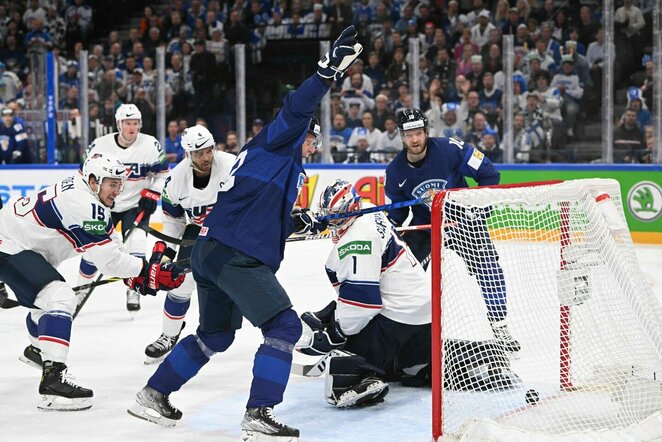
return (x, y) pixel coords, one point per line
(579, 214)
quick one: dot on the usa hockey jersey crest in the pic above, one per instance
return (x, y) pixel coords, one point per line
(147, 165)
(61, 221)
(374, 272)
(447, 162)
(252, 211)
(181, 199)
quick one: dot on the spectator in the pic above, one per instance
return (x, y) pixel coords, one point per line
(581, 67)
(628, 24)
(546, 12)
(361, 152)
(628, 137)
(389, 139)
(173, 26)
(492, 63)
(258, 41)
(148, 13)
(571, 91)
(480, 33)
(148, 111)
(552, 47)
(134, 84)
(372, 134)
(277, 29)
(340, 16)
(381, 112)
(55, 26)
(179, 81)
(79, 22)
(475, 76)
(69, 78)
(501, 14)
(232, 143)
(357, 93)
(522, 38)
(490, 98)
(204, 76)
(353, 115)
(560, 32)
(519, 92)
(514, 20)
(13, 140)
(37, 40)
(256, 127)
(489, 146)
(451, 126)
(460, 50)
(339, 137)
(13, 55)
(586, 27)
(521, 140)
(536, 124)
(647, 82)
(235, 30)
(295, 27)
(33, 11)
(546, 60)
(10, 85)
(173, 143)
(375, 72)
(635, 103)
(357, 67)
(479, 125)
(315, 23)
(398, 70)
(550, 103)
(595, 57)
(474, 14)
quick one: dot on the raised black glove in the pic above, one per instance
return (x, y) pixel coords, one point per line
(305, 222)
(148, 201)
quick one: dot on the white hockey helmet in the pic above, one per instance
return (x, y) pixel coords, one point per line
(127, 112)
(197, 138)
(103, 165)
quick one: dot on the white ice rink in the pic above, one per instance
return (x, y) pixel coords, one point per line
(107, 346)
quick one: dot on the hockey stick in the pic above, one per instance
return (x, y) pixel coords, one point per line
(136, 222)
(329, 234)
(317, 369)
(367, 210)
(115, 279)
(163, 237)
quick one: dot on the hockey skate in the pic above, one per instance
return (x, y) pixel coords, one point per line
(58, 392)
(371, 390)
(155, 407)
(132, 300)
(259, 424)
(159, 349)
(32, 356)
(504, 338)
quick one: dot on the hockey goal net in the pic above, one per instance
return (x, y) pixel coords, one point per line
(563, 277)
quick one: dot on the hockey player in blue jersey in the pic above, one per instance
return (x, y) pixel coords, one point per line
(238, 251)
(13, 139)
(429, 165)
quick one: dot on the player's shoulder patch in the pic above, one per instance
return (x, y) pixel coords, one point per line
(22, 136)
(355, 248)
(476, 159)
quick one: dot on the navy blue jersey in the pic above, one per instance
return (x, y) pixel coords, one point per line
(252, 211)
(14, 139)
(446, 164)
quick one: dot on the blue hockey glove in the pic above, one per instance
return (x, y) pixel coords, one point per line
(305, 222)
(343, 53)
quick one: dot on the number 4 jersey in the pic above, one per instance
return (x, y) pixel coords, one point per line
(374, 272)
(61, 221)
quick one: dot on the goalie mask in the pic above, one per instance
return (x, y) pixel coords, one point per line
(339, 197)
(103, 165)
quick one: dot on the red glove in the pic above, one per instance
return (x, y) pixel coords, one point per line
(148, 201)
(156, 275)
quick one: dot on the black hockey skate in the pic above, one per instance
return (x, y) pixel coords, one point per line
(155, 407)
(58, 392)
(504, 338)
(259, 424)
(132, 300)
(159, 349)
(371, 390)
(32, 356)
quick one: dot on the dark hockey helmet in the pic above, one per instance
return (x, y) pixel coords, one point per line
(412, 119)
(315, 129)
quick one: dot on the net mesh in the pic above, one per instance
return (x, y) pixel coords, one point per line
(551, 270)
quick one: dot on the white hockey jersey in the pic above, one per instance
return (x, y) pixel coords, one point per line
(374, 272)
(61, 221)
(180, 198)
(147, 163)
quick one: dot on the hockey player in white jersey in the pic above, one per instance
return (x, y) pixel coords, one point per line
(189, 194)
(148, 167)
(383, 307)
(40, 231)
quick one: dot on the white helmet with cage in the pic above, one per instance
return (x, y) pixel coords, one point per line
(197, 138)
(103, 165)
(127, 112)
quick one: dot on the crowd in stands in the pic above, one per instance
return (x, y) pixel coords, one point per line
(558, 63)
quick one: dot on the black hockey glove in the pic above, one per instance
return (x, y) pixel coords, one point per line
(326, 332)
(156, 274)
(148, 201)
(343, 53)
(305, 222)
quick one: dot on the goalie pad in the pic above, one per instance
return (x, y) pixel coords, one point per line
(477, 366)
(353, 382)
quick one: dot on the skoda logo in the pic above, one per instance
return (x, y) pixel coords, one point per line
(645, 201)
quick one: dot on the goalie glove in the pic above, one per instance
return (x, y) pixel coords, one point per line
(322, 333)
(343, 53)
(305, 222)
(156, 274)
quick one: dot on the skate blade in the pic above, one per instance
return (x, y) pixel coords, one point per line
(29, 362)
(149, 360)
(352, 399)
(149, 415)
(254, 436)
(48, 402)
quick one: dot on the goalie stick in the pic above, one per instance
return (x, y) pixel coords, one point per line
(317, 369)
